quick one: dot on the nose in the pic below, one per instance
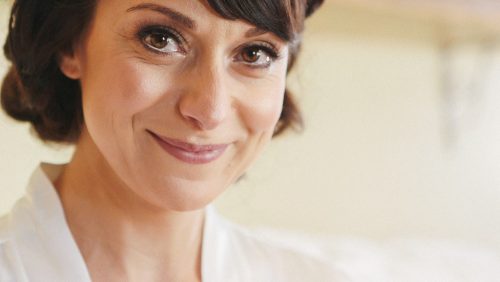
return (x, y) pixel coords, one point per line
(205, 102)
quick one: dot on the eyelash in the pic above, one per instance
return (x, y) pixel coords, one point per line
(169, 32)
(268, 48)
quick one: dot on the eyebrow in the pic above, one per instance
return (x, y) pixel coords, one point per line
(255, 31)
(172, 14)
(185, 20)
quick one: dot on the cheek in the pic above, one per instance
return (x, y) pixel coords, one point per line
(128, 87)
(262, 106)
(117, 90)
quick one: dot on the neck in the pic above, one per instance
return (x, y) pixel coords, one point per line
(120, 236)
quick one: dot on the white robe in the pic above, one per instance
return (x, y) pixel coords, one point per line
(37, 245)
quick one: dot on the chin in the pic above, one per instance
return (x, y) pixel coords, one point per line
(188, 206)
(185, 196)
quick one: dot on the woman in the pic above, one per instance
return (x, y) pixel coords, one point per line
(167, 103)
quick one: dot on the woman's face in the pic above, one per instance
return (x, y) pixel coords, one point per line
(177, 100)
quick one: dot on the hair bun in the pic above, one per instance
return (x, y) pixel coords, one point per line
(14, 99)
(312, 6)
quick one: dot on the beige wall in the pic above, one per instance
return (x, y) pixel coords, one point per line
(376, 158)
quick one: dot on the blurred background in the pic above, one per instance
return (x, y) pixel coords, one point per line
(401, 100)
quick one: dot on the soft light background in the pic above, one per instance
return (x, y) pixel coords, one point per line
(402, 138)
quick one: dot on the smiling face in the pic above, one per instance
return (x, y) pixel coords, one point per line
(177, 100)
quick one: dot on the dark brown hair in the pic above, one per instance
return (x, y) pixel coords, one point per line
(35, 89)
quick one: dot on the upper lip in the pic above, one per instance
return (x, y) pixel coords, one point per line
(189, 147)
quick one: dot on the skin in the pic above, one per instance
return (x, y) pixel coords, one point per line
(137, 212)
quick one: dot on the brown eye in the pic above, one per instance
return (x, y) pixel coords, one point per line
(160, 40)
(252, 55)
(257, 56)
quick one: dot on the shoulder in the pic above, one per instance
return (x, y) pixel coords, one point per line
(4, 232)
(6, 265)
(279, 256)
(414, 260)
(273, 255)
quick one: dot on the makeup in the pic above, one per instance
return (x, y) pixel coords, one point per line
(190, 153)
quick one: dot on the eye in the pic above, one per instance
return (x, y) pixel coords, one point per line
(258, 56)
(161, 40)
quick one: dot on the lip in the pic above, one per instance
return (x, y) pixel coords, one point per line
(188, 152)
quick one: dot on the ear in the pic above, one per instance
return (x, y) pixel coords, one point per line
(70, 65)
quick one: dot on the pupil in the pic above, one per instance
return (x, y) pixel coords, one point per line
(159, 40)
(252, 55)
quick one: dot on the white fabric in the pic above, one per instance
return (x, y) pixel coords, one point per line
(37, 245)
(399, 260)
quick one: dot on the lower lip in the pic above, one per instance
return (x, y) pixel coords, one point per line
(201, 157)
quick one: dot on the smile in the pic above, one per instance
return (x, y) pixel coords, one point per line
(190, 153)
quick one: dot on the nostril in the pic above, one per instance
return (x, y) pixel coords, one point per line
(202, 113)
(196, 123)
(199, 122)
(204, 105)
